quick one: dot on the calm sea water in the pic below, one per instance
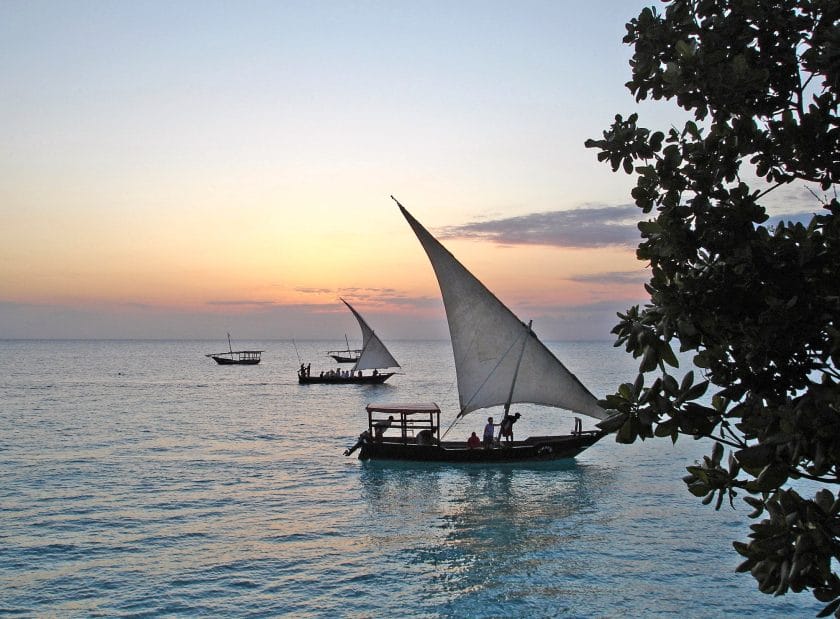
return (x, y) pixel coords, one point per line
(141, 479)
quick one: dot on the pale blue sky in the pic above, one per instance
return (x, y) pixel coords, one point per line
(465, 91)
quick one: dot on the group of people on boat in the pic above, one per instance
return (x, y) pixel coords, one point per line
(304, 372)
(339, 373)
(489, 439)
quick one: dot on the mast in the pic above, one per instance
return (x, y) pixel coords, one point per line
(229, 346)
(512, 382)
(516, 371)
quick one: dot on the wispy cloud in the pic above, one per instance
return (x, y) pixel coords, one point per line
(366, 293)
(361, 297)
(596, 226)
(617, 278)
(794, 201)
(592, 227)
(244, 302)
(800, 218)
(388, 297)
(305, 290)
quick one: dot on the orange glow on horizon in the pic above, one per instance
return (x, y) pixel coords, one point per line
(206, 273)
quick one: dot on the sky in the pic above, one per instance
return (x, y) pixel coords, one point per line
(188, 169)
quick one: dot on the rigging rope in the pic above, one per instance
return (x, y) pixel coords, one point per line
(489, 376)
(493, 371)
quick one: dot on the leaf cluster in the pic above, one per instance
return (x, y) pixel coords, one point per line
(756, 306)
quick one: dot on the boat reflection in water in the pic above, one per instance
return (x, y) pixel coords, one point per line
(478, 527)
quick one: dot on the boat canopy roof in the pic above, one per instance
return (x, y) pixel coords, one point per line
(408, 409)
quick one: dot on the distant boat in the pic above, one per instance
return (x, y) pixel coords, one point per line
(498, 361)
(347, 355)
(236, 357)
(373, 356)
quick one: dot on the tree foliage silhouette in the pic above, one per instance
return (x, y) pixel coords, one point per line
(757, 305)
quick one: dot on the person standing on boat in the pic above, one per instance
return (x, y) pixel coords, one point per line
(488, 433)
(506, 427)
(380, 426)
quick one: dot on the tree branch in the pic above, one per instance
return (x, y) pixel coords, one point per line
(764, 193)
(717, 439)
(825, 480)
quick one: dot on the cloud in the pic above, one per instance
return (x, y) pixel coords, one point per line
(373, 297)
(617, 278)
(796, 218)
(363, 297)
(366, 293)
(242, 302)
(597, 226)
(795, 200)
(314, 290)
(587, 321)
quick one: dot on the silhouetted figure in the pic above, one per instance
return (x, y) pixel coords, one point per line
(506, 427)
(380, 426)
(488, 433)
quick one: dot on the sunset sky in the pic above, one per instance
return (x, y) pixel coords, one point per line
(182, 170)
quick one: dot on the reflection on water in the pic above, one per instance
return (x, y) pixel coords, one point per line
(485, 532)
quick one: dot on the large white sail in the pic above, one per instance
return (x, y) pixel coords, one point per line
(488, 339)
(374, 354)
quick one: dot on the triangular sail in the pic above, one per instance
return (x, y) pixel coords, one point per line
(487, 340)
(374, 354)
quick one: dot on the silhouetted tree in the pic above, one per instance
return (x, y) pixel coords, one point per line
(758, 306)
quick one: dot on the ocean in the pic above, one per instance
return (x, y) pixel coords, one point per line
(141, 479)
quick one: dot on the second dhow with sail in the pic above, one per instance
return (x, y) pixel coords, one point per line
(373, 356)
(498, 361)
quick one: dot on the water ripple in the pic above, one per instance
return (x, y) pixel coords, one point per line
(178, 488)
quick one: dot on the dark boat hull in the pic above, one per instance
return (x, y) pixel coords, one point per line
(338, 380)
(343, 359)
(537, 448)
(228, 361)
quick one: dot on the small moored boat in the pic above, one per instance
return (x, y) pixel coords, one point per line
(347, 355)
(236, 357)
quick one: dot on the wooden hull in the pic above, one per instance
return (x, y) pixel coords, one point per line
(534, 449)
(344, 359)
(337, 380)
(228, 361)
